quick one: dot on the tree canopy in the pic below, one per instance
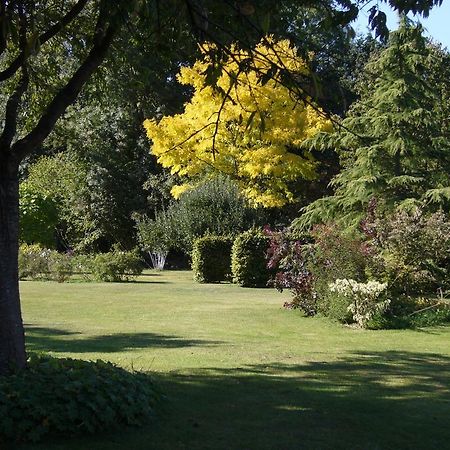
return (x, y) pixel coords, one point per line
(247, 126)
(395, 142)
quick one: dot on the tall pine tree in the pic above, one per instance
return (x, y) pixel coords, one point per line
(395, 142)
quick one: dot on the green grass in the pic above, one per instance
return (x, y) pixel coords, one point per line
(240, 372)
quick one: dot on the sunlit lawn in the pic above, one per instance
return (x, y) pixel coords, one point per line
(240, 372)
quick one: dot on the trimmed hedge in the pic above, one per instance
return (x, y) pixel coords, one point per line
(211, 259)
(68, 397)
(248, 259)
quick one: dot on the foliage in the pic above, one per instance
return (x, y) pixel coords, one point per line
(394, 144)
(157, 236)
(215, 207)
(364, 298)
(211, 259)
(248, 259)
(291, 259)
(337, 254)
(38, 217)
(62, 178)
(245, 126)
(409, 250)
(33, 261)
(68, 397)
(307, 264)
(116, 265)
(41, 263)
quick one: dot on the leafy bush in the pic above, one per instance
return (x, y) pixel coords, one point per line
(409, 250)
(291, 258)
(116, 265)
(248, 259)
(68, 397)
(214, 207)
(364, 298)
(60, 266)
(40, 263)
(211, 259)
(38, 216)
(33, 261)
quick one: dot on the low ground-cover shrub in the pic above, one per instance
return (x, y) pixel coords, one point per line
(39, 263)
(68, 397)
(211, 259)
(248, 259)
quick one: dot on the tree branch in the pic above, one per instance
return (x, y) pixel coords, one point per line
(43, 38)
(65, 97)
(11, 112)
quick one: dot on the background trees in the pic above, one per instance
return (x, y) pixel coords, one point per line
(394, 144)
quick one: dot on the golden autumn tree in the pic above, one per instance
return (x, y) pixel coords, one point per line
(247, 126)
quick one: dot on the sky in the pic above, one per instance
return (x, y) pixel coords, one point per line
(437, 25)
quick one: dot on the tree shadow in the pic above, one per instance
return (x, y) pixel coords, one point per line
(58, 340)
(382, 400)
(364, 401)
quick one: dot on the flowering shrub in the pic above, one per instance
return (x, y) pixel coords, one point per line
(365, 303)
(40, 263)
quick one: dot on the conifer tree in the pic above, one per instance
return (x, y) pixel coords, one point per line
(395, 142)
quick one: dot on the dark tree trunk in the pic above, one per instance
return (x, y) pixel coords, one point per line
(12, 348)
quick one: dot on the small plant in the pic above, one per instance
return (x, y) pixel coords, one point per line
(68, 397)
(364, 297)
(211, 259)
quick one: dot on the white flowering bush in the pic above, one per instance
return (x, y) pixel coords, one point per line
(364, 297)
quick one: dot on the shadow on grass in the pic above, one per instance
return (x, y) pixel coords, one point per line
(366, 401)
(58, 340)
(385, 400)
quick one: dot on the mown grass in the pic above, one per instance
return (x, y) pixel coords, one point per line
(240, 372)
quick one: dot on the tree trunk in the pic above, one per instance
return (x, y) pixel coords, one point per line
(12, 339)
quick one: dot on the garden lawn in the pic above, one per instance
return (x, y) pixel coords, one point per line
(241, 372)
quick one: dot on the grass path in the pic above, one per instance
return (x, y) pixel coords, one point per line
(240, 372)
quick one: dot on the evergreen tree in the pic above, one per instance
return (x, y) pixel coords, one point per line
(395, 142)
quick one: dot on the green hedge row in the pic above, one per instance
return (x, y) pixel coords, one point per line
(218, 258)
(211, 259)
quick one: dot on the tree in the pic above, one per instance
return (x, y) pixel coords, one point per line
(395, 142)
(31, 33)
(246, 127)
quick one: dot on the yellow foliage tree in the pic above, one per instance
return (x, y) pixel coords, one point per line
(246, 126)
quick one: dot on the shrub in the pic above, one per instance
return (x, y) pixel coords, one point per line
(116, 265)
(211, 259)
(40, 263)
(216, 207)
(248, 259)
(409, 250)
(364, 298)
(291, 258)
(67, 397)
(60, 266)
(33, 261)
